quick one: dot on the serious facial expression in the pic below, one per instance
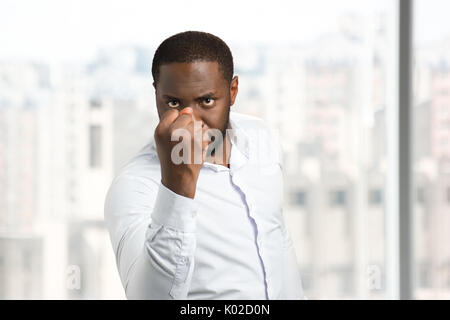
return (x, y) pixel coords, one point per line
(199, 85)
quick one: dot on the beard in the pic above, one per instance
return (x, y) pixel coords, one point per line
(223, 130)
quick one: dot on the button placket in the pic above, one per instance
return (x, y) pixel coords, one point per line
(251, 208)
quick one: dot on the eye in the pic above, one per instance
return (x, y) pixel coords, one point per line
(173, 104)
(208, 101)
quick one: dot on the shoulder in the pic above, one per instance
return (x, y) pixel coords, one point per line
(263, 140)
(136, 182)
(143, 165)
(247, 122)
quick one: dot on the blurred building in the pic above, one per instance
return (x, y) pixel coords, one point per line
(432, 173)
(56, 151)
(66, 130)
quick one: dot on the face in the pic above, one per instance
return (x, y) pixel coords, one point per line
(199, 85)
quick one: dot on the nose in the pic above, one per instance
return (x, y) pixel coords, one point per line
(192, 108)
(192, 111)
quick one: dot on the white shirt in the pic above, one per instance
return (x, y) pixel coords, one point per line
(229, 242)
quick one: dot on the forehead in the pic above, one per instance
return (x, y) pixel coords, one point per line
(190, 78)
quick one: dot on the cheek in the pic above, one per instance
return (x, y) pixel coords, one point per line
(216, 118)
(160, 108)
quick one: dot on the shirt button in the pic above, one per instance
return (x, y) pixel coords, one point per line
(183, 259)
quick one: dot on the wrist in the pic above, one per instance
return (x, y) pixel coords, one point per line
(182, 185)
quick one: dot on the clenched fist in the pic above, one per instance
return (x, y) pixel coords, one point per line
(180, 161)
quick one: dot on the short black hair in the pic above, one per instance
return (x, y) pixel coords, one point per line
(191, 46)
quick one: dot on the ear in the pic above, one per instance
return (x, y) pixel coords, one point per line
(156, 101)
(233, 89)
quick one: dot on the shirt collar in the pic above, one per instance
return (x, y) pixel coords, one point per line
(238, 136)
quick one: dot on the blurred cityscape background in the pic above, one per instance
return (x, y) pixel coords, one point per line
(67, 126)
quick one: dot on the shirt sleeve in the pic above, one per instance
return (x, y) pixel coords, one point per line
(292, 284)
(152, 230)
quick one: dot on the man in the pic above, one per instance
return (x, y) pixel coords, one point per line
(205, 228)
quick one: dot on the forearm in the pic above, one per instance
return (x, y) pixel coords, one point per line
(164, 269)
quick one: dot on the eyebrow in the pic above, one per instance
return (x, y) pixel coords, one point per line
(206, 95)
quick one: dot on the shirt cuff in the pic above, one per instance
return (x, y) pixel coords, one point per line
(174, 211)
